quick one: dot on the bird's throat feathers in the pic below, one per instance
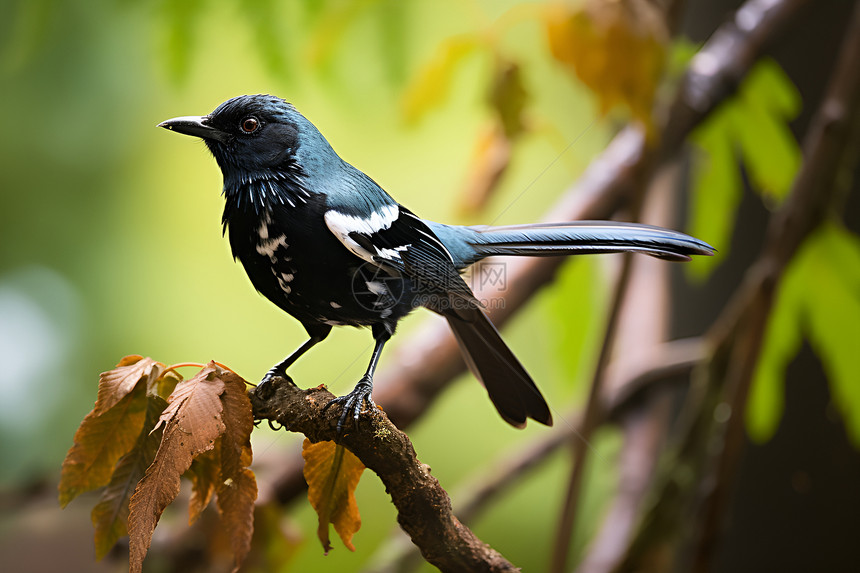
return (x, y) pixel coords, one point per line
(252, 194)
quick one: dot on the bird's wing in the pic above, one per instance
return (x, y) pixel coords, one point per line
(394, 237)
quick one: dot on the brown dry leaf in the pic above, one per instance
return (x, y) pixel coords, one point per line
(110, 516)
(203, 474)
(430, 87)
(332, 473)
(237, 488)
(115, 384)
(100, 441)
(616, 47)
(191, 424)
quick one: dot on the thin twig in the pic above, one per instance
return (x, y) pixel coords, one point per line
(581, 443)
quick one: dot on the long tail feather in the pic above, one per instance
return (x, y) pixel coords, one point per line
(510, 387)
(581, 237)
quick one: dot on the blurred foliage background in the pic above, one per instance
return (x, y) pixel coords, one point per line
(110, 237)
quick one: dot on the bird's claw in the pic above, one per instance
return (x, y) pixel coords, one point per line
(353, 402)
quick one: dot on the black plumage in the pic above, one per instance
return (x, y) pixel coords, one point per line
(326, 244)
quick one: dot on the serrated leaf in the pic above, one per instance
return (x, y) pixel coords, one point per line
(110, 515)
(332, 473)
(430, 86)
(115, 384)
(237, 488)
(204, 475)
(191, 424)
(100, 441)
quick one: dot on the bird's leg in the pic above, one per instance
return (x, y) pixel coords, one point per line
(353, 402)
(280, 369)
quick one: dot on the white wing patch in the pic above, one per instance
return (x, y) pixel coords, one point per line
(342, 225)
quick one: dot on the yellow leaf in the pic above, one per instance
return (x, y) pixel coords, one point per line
(332, 473)
(100, 441)
(615, 47)
(429, 88)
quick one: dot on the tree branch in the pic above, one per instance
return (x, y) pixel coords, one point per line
(423, 507)
(738, 333)
(666, 364)
(408, 383)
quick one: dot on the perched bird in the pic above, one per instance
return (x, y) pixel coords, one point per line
(330, 247)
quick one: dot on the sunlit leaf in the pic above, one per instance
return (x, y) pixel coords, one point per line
(100, 441)
(717, 189)
(820, 297)
(750, 129)
(781, 343)
(617, 49)
(115, 384)
(164, 385)
(833, 315)
(332, 473)
(430, 86)
(760, 115)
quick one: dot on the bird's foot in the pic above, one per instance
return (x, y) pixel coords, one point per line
(353, 402)
(265, 389)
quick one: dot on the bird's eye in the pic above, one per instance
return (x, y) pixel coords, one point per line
(250, 124)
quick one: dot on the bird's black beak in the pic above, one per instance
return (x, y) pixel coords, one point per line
(195, 125)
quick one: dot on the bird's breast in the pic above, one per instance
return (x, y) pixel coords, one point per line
(294, 261)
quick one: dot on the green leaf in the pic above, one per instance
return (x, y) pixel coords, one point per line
(717, 190)
(430, 86)
(833, 315)
(819, 296)
(781, 343)
(759, 122)
(751, 128)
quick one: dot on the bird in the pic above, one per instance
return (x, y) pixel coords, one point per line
(326, 244)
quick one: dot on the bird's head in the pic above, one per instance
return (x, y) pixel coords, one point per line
(250, 134)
